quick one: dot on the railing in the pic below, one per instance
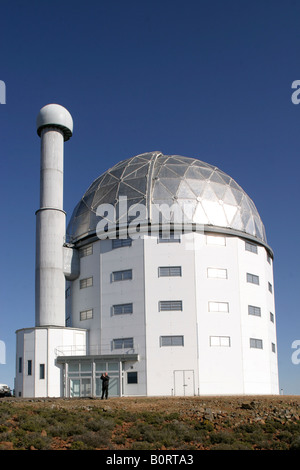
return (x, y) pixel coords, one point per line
(94, 350)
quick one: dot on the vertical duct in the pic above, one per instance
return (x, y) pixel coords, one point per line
(54, 126)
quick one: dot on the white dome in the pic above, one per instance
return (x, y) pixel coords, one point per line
(216, 200)
(57, 116)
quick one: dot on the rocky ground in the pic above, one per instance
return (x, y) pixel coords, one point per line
(199, 423)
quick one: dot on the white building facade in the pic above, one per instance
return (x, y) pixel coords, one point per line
(168, 302)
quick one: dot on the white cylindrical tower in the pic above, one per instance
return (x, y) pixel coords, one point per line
(54, 126)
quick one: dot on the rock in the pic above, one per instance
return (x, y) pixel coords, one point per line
(247, 406)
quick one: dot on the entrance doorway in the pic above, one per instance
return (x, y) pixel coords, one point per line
(184, 384)
(80, 387)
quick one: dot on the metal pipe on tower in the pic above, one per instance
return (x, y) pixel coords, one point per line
(54, 126)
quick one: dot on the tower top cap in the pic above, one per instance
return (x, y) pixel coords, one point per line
(57, 116)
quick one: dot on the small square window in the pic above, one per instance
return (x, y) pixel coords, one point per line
(132, 377)
(252, 278)
(256, 343)
(252, 310)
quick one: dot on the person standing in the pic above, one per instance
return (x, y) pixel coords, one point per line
(105, 381)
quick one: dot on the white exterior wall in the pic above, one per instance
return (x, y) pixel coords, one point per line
(163, 361)
(220, 367)
(260, 365)
(41, 346)
(197, 367)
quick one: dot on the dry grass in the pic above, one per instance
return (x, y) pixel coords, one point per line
(162, 423)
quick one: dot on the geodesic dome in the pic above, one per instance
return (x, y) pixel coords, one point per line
(214, 198)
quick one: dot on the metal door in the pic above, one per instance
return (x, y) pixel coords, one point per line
(184, 383)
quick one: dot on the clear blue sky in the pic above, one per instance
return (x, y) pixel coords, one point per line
(209, 79)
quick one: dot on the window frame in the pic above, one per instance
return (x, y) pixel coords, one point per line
(86, 250)
(85, 313)
(122, 273)
(163, 304)
(86, 282)
(122, 343)
(217, 271)
(164, 344)
(211, 310)
(221, 341)
(42, 372)
(166, 271)
(256, 311)
(123, 307)
(251, 247)
(250, 279)
(256, 343)
(132, 374)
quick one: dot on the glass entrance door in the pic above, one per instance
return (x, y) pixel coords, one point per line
(80, 387)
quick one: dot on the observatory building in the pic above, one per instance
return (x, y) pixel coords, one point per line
(163, 278)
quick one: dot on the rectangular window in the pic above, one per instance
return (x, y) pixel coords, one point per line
(268, 258)
(122, 309)
(173, 238)
(270, 287)
(169, 305)
(29, 367)
(272, 317)
(252, 310)
(252, 278)
(256, 343)
(42, 371)
(220, 341)
(88, 282)
(86, 314)
(169, 271)
(20, 365)
(132, 377)
(123, 343)
(122, 275)
(218, 306)
(215, 240)
(251, 247)
(120, 242)
(85, 251)
(273, 348)
(217, 273)
(171, 341)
